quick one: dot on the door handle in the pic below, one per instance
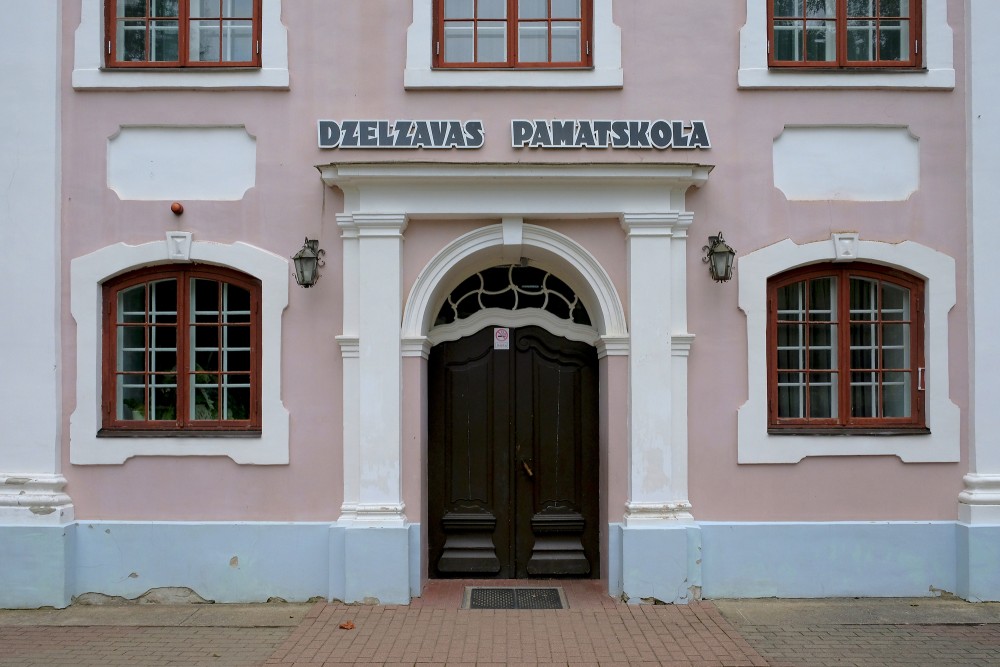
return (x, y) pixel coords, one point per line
(527, 468)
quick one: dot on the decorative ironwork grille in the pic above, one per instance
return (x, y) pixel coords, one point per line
(513, 287)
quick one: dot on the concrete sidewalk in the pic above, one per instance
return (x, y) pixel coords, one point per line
(433, 630)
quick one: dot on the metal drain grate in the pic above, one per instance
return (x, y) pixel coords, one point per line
(482, 597)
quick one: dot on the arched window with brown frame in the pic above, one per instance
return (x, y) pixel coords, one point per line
(846, 350)
(181, 352)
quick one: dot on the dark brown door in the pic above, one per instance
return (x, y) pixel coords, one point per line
(513, 457)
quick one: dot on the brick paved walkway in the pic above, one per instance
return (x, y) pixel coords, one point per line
(866, 645)
(88, 646)
(433, 630)
(694, 634)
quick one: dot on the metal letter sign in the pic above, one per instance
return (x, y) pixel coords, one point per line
(615, 134)
(401, 134)
(501, 338)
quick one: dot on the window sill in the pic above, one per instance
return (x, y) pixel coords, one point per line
(848, 432)
(189, 78)
(192, 433)
(858, 77)
(526, 78)
(873, 69)
(179, 68)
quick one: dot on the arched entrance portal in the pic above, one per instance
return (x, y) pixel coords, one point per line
(513, 457)
(513, 442)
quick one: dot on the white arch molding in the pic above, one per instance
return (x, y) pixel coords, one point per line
(492, 245)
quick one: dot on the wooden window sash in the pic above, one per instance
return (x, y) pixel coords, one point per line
(184, 21)
(844, 419)
(841, 20)
(184, 421)
(512, 23)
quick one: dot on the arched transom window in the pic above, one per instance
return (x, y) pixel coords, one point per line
(513, 287)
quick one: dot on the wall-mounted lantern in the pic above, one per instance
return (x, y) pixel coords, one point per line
(719, 256)
(307, 262)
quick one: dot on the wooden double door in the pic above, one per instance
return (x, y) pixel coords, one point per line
(513, 458)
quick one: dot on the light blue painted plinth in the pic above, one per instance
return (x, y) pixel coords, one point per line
(658, 563)
(36, 566)
(374, 564)
(979, 562)
(220, 561)
(816, 560)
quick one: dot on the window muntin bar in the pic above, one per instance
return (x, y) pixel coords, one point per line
(865, 378)
(219, 355)
(183, 33)
(843, 33)
(512, 33)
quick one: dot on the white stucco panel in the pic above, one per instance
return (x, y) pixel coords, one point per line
(155, 162)
(847, 163)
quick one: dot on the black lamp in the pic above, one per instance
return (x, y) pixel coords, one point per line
(307, 262)
(719, 257)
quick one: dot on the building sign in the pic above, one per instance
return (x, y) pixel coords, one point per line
(661, 134)
(401, 134)
(545, 134)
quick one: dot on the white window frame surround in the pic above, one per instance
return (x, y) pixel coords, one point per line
(606, 71)
(937, 47)
(87, 273)
(89, 72)
(756, 445)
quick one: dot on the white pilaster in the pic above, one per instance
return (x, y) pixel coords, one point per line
(351, 378)
(657, 440)
(30, 397)
(378, 375)
(979, 503)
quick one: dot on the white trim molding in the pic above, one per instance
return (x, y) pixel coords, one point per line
(656, 246)
(483, 248)
(372, 378)
(647, 199)
(31, 272)
(89, 71)
(979, 502)
(499, 317)
(982, 485)
(937, 46)
(943, 417)
(34, 499)
(605, 73)
(88, 272)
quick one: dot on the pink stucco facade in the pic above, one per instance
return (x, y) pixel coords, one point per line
(336, 466)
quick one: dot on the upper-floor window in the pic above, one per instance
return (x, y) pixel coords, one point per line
(512, 33)
(844, 33)
(845, 349)
(182, 351)
(183, 33)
